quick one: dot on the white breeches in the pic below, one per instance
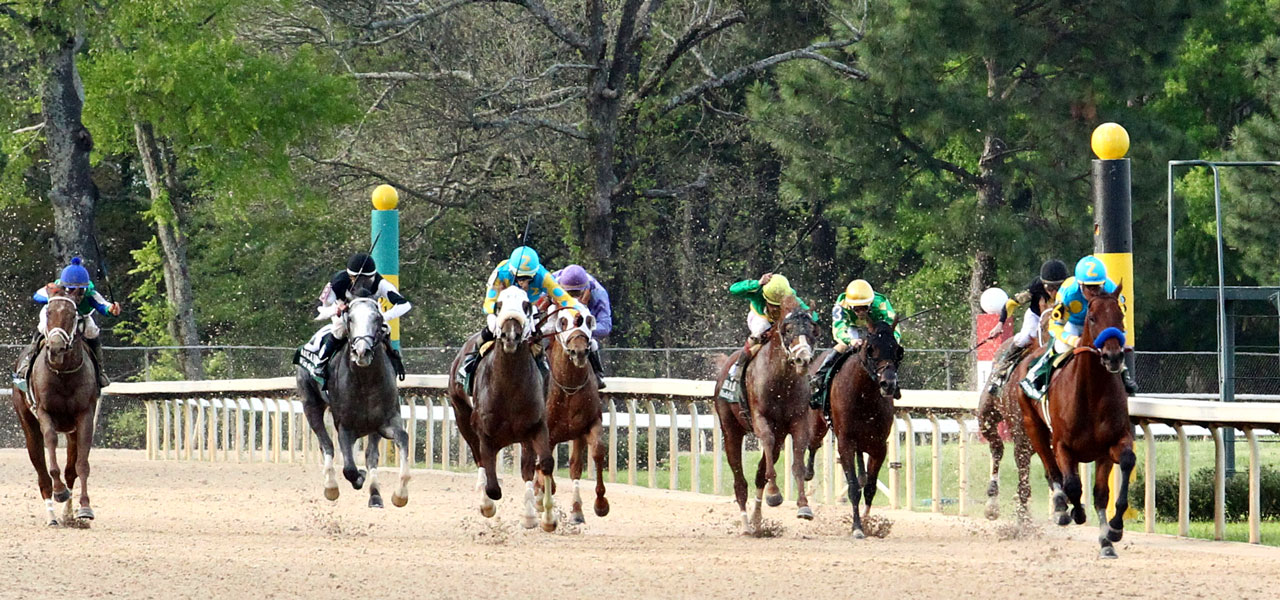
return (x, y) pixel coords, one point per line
(339, 328)
(757, 324)
(1071, 329)
(91, 330)
(1030, 329)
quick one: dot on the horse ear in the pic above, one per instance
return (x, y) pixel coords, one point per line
(896, 320)
(528, 307)
(901, 352)
(591, 322)
(1119, 289)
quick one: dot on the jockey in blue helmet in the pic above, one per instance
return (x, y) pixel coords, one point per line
(74, 282)
(1067, 322)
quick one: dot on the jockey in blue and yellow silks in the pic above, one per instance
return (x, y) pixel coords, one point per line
(1067, 322)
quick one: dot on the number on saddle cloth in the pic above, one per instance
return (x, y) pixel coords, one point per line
(729, 388)
(313, 356)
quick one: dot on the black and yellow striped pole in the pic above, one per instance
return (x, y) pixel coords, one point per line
(1113, 238)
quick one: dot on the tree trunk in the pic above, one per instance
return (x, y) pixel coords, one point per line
(177, 278)
(72, 192)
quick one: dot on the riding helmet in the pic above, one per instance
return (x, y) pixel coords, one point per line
(74, 275)
(859, 293)
(361, 264)
(777, 289)
(524, 262)
(1053, 271)
(574, 278)
(1091, 271)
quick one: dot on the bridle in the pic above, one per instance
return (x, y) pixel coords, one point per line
(52, 333)
(378, 332)
(869, 364)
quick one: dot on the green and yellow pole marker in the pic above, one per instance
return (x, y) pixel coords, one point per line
(1113, 240)
(384, 225)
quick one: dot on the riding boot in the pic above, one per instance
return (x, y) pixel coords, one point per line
(397, 362)
(24, 362)
(1004, 363)
(594, 357)
(1130, 386)
(817, 383)
(95, 346)
(540, 359)
(1037, 379)
(328, 347)
(748, 352)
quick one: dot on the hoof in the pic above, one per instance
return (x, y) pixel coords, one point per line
(529, 522)
(548, 526)
(602, 507)
(52, 523)
(358, 482)
(1115, 535)
(375, 501)
(993, 489)
(1063, 519)
(62, 496)
(1077, 514)
(331, 493)
(488, 511)
(992, 511)
(577, 518)
(85, 514)
(773, 499)
(399, 500)
(1108, 552)
(805, 513)
(858, 535)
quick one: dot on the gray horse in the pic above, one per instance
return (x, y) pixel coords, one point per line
(364, 401)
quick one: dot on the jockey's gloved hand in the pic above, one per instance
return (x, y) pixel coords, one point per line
(841, 347)
(115, 308)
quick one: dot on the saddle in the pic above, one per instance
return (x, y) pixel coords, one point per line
(465, 375)
(821, 397)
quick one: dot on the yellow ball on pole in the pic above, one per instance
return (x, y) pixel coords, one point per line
(1110, 141)
(385, 197)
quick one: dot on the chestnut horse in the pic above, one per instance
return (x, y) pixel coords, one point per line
(509, 407)
(574, 407)
(776, 389)
(1089, 414)
(63, 398)
(1003, 406)
(862, 415)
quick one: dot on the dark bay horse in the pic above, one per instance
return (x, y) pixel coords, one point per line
(1089, 419)
(574, 407)
(364, 400)
(862, 415)
(509, 407)
(1004, 407)
(63, 398)
(776, 388)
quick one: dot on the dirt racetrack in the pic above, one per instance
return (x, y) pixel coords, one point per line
(180, 529)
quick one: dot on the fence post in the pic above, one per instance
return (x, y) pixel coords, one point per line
(613, 441)
(653, 445)
(829, 473)
(188, 439)
(1219, 484)
(935, 468)
(1149, 480)
(413, 430)
(631, 441)
(1184, 483)
(1255, 489)
(910, 461)
(252, 417)
(964, 466)
(429, 442)
(895, 463)
(239, 430)
(717, 444)
(444, 434)
(695, 449)
(673, 448)
(150, 407)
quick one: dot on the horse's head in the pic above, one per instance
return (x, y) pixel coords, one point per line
(1104, 327)
(62, 320)
(364, 328)
(573, 331)
(795, 331)
(881, 356)
(515, 318)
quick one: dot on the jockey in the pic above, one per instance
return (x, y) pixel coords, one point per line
(525, 270)
(584, 288)
(361, 274)
(1069, 313)
(852, 316)
(766, 295)
(75, 281)
(1040, 296)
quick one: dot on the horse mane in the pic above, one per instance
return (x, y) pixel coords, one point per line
(362, 292)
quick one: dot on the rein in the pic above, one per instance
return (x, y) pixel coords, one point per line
(60, 333)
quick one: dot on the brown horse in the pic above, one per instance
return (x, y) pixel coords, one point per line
(776, 388)
(1003, 406)
(63, 398)
(862, 415)
(509, 407)
(574, 407)
(1089, 413)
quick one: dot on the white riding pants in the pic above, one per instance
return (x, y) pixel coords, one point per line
(1030, 329)
(1071, 329)
(757, 324)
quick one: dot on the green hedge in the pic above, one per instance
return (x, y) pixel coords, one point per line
(1237, 495)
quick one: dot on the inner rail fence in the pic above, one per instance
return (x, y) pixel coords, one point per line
(662, 432)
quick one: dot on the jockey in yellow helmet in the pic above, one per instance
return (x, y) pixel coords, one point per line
(851, 316)
(766, 296)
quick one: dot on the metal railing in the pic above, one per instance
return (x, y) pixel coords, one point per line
(259, 420)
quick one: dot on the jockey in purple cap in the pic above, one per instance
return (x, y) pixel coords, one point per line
(583, 287)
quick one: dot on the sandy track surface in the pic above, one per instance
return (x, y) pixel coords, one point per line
(177, 529)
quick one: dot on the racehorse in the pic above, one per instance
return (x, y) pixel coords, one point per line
(509, 407)
(574, 407)
(364, 400)
(1003, 406)
(1089, 414)
(861, 415)
(776, 389)
(63, 398)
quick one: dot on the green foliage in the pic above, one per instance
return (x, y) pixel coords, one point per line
(1236, 495)
(153, 313)
(126, 428)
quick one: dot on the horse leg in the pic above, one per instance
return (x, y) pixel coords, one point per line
(1022, 458)
(577, 456)
(81, 441)
(396, 432)
(595, 442)
(487, 479)
(313, 407)
(1071, 485)
(1127, 461)
(35, 441)
(532, 484)
(347, 441)
(766, 476)
(799, 442)
(371, 463)
(733, 453)
(69, 472)
(851, 461)
(875, 459)
(50, 437)
(546, 465)
(989, 425)
(1101, 488)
